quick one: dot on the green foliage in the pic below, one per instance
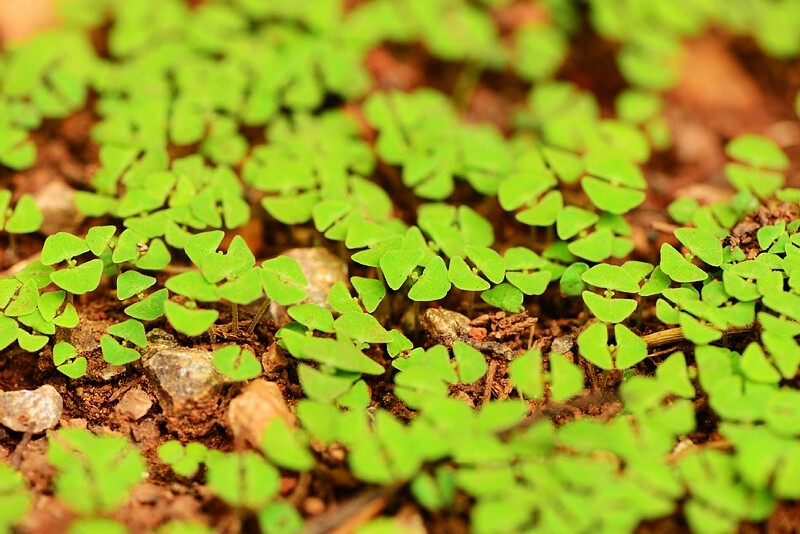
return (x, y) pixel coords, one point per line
(185, 461)
(205, 113)
(94, 473)
(236, 363)
(15, 499)
(24, 218)
(66, 360)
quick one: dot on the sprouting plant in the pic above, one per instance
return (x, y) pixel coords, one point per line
(131, 332)
(67, 360)
(95, 473)
(236, 363)
(759, 161)
(74, 279)
(14, 495)
(629, 349)
(612, 278)
(185, 461)
(564, 377)
(283, 281)
(243, 480)
(24, 218)
(434, 152)
(426, 374)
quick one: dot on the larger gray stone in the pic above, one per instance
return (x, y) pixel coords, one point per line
(183, 377)
(31, 411)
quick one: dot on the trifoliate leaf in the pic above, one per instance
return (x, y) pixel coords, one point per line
(189, 321)
(236, 363)
(678, 268)
(61, 247)
(116, 354)
(132, 283)
(433, 284)
(702, 244)
(81, 279)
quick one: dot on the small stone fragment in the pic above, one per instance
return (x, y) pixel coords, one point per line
(444, 326)
(273, 360)
(31, 411)
(55, 200)
(184, 377)
(249, 413)
(562, 344)
(134, 404)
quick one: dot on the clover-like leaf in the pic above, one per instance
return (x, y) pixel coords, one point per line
(25, 218)
(433, 284)
(132, 283)
(81, 279)
(116, 354)
(150, 308)
(236, 363)
(397, 265)
(62, 246)
(66, 360)
(758, 152)
(612, 277)
(702, 243)
(677, 267)
(504, 296)
(370, 291)
(189, 321)
(593, 345)
(130, 330)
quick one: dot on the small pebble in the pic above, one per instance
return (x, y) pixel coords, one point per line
(134, 404)
(257, 405)
(184, 377)
(31, 411)
(313, 505)
(563, 344)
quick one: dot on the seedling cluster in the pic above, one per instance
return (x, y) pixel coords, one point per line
(221, 118)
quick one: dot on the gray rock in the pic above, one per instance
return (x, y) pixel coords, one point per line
(55, 200)
(134, 404)
(562, 344)
(183, 377)
(444, 326)
(31, 411)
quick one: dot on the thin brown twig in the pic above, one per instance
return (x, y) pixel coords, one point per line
(351, 514)
(675, 335)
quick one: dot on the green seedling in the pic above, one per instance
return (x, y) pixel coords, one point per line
(75, 279)
(24, 218)
(629, 350)
(14, 495)
(427, 373)
(185, 461)
(564, 377)
(243, 480)
(66, 360)
(236, 363)
(95, 474)
(130, 331)
(283, 281)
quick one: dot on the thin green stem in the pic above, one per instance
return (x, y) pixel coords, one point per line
(259, 314)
